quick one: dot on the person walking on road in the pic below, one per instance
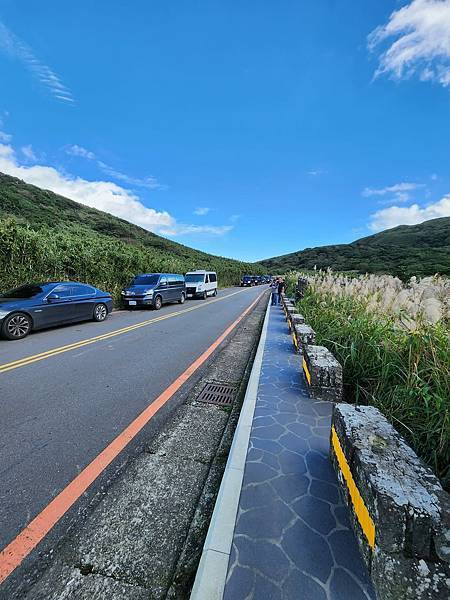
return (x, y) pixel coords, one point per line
(274, 290)
(281, 288)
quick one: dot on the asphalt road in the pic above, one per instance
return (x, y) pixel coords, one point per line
(60, 408)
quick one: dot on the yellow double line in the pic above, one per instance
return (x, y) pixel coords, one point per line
(22, 362)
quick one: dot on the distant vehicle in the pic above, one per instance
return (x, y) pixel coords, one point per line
(248, 281)
(39, 305)
(153, 290)
(201, 283)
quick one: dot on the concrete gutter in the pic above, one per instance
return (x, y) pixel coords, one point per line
(213, 567)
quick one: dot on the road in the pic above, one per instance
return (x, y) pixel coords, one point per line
(67, 393)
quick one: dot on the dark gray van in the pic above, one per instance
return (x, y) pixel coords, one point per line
(154, 290)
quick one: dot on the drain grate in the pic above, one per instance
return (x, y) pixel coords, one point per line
(220, 394)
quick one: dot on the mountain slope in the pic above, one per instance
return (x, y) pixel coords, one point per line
(46, 236)
(37, 207)
(404, 251)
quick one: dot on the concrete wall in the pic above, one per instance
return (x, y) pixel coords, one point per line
(400, 513)
(325, 371)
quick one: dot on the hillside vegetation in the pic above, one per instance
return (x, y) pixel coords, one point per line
(392, 342)
(44, 236)
(403, 251)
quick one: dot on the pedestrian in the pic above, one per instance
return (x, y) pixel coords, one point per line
(281, 288)
(274, 290)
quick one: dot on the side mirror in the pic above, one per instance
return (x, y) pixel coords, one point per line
(52, 297)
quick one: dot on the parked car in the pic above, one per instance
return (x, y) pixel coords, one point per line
(153, 290)
(39, 305)
(201, 283)
(247, 281)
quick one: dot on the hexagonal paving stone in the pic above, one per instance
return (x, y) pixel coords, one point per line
(266, 522)
(316, 513)
(308, 551)
(299, 585)
(290, 487)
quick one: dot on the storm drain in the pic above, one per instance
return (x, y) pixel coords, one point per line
(220, 394)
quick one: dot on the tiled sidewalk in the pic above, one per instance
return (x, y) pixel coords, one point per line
(292, 538)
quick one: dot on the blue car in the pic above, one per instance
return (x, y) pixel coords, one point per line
(40, 305)
(152, 290)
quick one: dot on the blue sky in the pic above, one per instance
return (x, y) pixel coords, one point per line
(246, 129)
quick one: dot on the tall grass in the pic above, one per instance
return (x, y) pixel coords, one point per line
(78, 253)
(396, 360)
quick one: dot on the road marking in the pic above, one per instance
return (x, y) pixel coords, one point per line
(16, 551)
(22, 362)
(360, 509)
(306, 371)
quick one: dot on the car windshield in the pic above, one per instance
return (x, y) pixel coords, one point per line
(195, 277)
(25, 291)
(145, 280)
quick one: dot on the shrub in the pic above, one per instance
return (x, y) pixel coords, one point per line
(80, 254)
(392, 341)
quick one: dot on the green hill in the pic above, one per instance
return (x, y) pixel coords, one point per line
(404, 251)
(44, 236)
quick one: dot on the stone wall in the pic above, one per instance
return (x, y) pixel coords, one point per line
(305, 335)
(400, 512)
(325, 380)
(300, 289)
(322, 371)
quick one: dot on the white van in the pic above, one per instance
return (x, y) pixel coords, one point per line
(201, 284)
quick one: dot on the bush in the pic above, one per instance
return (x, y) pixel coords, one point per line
(80, 254)
(403, 371)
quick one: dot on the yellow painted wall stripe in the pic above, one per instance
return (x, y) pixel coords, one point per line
(306, 371)
(294, 339)
(360, 509)
(74, 346)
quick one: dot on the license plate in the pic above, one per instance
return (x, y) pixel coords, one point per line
(132, 302)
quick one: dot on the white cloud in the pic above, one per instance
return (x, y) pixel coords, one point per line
(150, 183)
(409, 215)
(201, 210)
(316, 172)
(422, 44)
(400, 191)
(17, 49)
(76, 150)
(27, 151)
(215, 230)
(103, 195)
(5, 137)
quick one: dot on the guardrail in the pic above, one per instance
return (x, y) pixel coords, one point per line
(399, 511)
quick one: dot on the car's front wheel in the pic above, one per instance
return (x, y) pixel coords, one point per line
(204, 295)
(100, 312)
(157, 303)
(182, 299)
(16, 326)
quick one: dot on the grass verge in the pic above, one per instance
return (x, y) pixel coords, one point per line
(404, 373)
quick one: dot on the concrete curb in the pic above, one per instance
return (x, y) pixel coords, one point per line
(213, 567)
